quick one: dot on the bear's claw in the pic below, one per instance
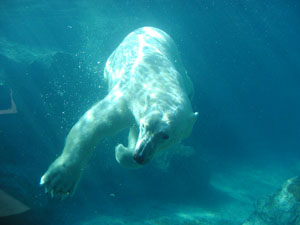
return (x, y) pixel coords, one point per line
(60, 180)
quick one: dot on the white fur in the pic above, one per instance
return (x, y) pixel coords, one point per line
(147, 85)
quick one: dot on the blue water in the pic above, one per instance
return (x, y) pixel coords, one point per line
(244, 60)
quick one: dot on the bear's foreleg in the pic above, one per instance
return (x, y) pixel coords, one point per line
(105, 118)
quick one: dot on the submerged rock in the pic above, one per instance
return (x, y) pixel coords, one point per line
(282, 208)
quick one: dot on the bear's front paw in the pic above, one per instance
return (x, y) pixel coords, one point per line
(124, 156)
(61, 178)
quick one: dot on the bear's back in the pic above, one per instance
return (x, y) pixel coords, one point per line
(144, 49)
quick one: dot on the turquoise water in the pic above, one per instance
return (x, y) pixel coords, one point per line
(244, 60)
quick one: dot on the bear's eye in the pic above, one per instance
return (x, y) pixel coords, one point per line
(163, 135)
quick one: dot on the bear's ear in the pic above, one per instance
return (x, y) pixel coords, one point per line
(191, 121)
(195, 116)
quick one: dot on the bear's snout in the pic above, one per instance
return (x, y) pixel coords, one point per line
(144, 151)
(139, 158)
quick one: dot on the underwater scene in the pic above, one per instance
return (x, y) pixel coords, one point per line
(150, 112)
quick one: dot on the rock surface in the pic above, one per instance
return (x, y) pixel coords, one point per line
(282, 208)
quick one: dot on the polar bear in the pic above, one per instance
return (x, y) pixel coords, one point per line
(149, 93)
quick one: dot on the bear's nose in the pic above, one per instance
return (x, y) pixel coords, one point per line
(139, 158)
(144, 150)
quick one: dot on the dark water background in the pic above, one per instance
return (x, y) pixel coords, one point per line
(242, 56)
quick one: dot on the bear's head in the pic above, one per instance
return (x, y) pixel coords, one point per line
(159, 131)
